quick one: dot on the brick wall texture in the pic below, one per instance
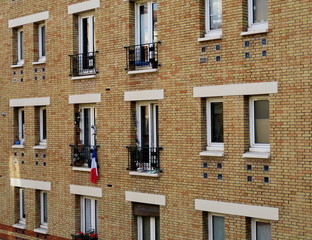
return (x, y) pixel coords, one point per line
(182, 119)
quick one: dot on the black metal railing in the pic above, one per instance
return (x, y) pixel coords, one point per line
(144, 159)
(81, 155)
(83, 64)
(142, 56)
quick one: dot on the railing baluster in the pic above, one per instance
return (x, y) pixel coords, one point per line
(82, 64)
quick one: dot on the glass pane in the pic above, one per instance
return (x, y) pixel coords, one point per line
(217, 122)
(146, 228)
(85, 33)
(23, 124)
(155, 28)
(215, 14)
(157, 226)
(218, 228)
(263, 231)
(144, 126)
(260, 10)
(45, 207)
(96, 217)
(21, 50)
(43, 50)
(87, 215)
(44, 124)
(262, 121)
(143, 24)
(86, 127)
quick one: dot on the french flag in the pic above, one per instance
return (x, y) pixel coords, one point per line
(94, 171)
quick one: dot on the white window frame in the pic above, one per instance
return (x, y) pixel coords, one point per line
(94, 212)
(43, 224)
(260, 26)
(256, 147)
(212, 145)
(92, 123)
(22, 207)
(254, 227)
(211, 33)
(91, 43)
(152, 227)
(41, 45)
(210, 224)
(21, 125)
(150, 21)
(43, 141)
(20, 46)
(153, 134)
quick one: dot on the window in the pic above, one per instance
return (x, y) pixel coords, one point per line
(148, 228)
(213, 20)
(22, 211)
(257, 14)
(20, 47)
(89, 215)
(43, 126)
(21, 125)
(41, 41)
(146, 22)
(43, 209)
(215, 124)
(216, 229)
(259, 124)
(260, 230)
(87, 126)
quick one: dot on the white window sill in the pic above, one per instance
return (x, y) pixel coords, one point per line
(18, 146)
(82, 169)
(143, 174)
(262, 155)
(83, 77)
(17, 65)
(39, 62)
(209, 153)
(254, 31)
(40, 147)
(19, 225)
(210, 37)
(41, 230)
(143, 71)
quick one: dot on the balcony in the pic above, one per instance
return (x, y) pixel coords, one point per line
(81, 155)
(83, 64)
(144, 159)
(142, 57)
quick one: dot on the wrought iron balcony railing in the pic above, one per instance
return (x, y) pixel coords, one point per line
(83, 64)
(81, 155)
(144, 159)
(142, 56)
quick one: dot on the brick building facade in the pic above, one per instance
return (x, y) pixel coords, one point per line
(199, 112)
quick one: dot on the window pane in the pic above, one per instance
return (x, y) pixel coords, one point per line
(143, 24)
(144, 126)
(155, 28)
(146, 228)
(96, 216)
(157, 226)
(43, 51)
(218, 228)
(44, 124)
(260, 10)
(85, 33)
(87, 215)
(22, 130)
(215, 14)
(263, 231)
(261, 121)
(86, 127)
(45, 207)
(21, 47)
(216, 122)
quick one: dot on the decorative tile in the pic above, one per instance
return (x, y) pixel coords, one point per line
(264, 42)
(266, 179)
(266, 168)
(247, 44)
(219, 165)
(247, 55)
(249, 167)
(205, 175)
(205, 165)
(249, 178)
(218, 47)
(203, 49)
(218, 58)
(220, 176)
(264, 53)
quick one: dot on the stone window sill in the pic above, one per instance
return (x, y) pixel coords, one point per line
(210, 153)
(40, 147)
(19, 225)
(83, 77)
(18, 146)
(17, 65)
(82, 169)
(142, 71)
(261, 155)
(210, 37)
(254, 31)
(143, 174)
(41, 230)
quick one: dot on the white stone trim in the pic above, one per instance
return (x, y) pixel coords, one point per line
(264, 155)
(85, 190)
(83, 77)
(25, 183)
(19, 225)
(83, 6)
(84, 98)
(144, 95)
(209, 153)
(143, 71)
(146, 198)
(41, 230)
(236, 89)
(22, 102)
(268, 213)
(143, 174)
(37, 17)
